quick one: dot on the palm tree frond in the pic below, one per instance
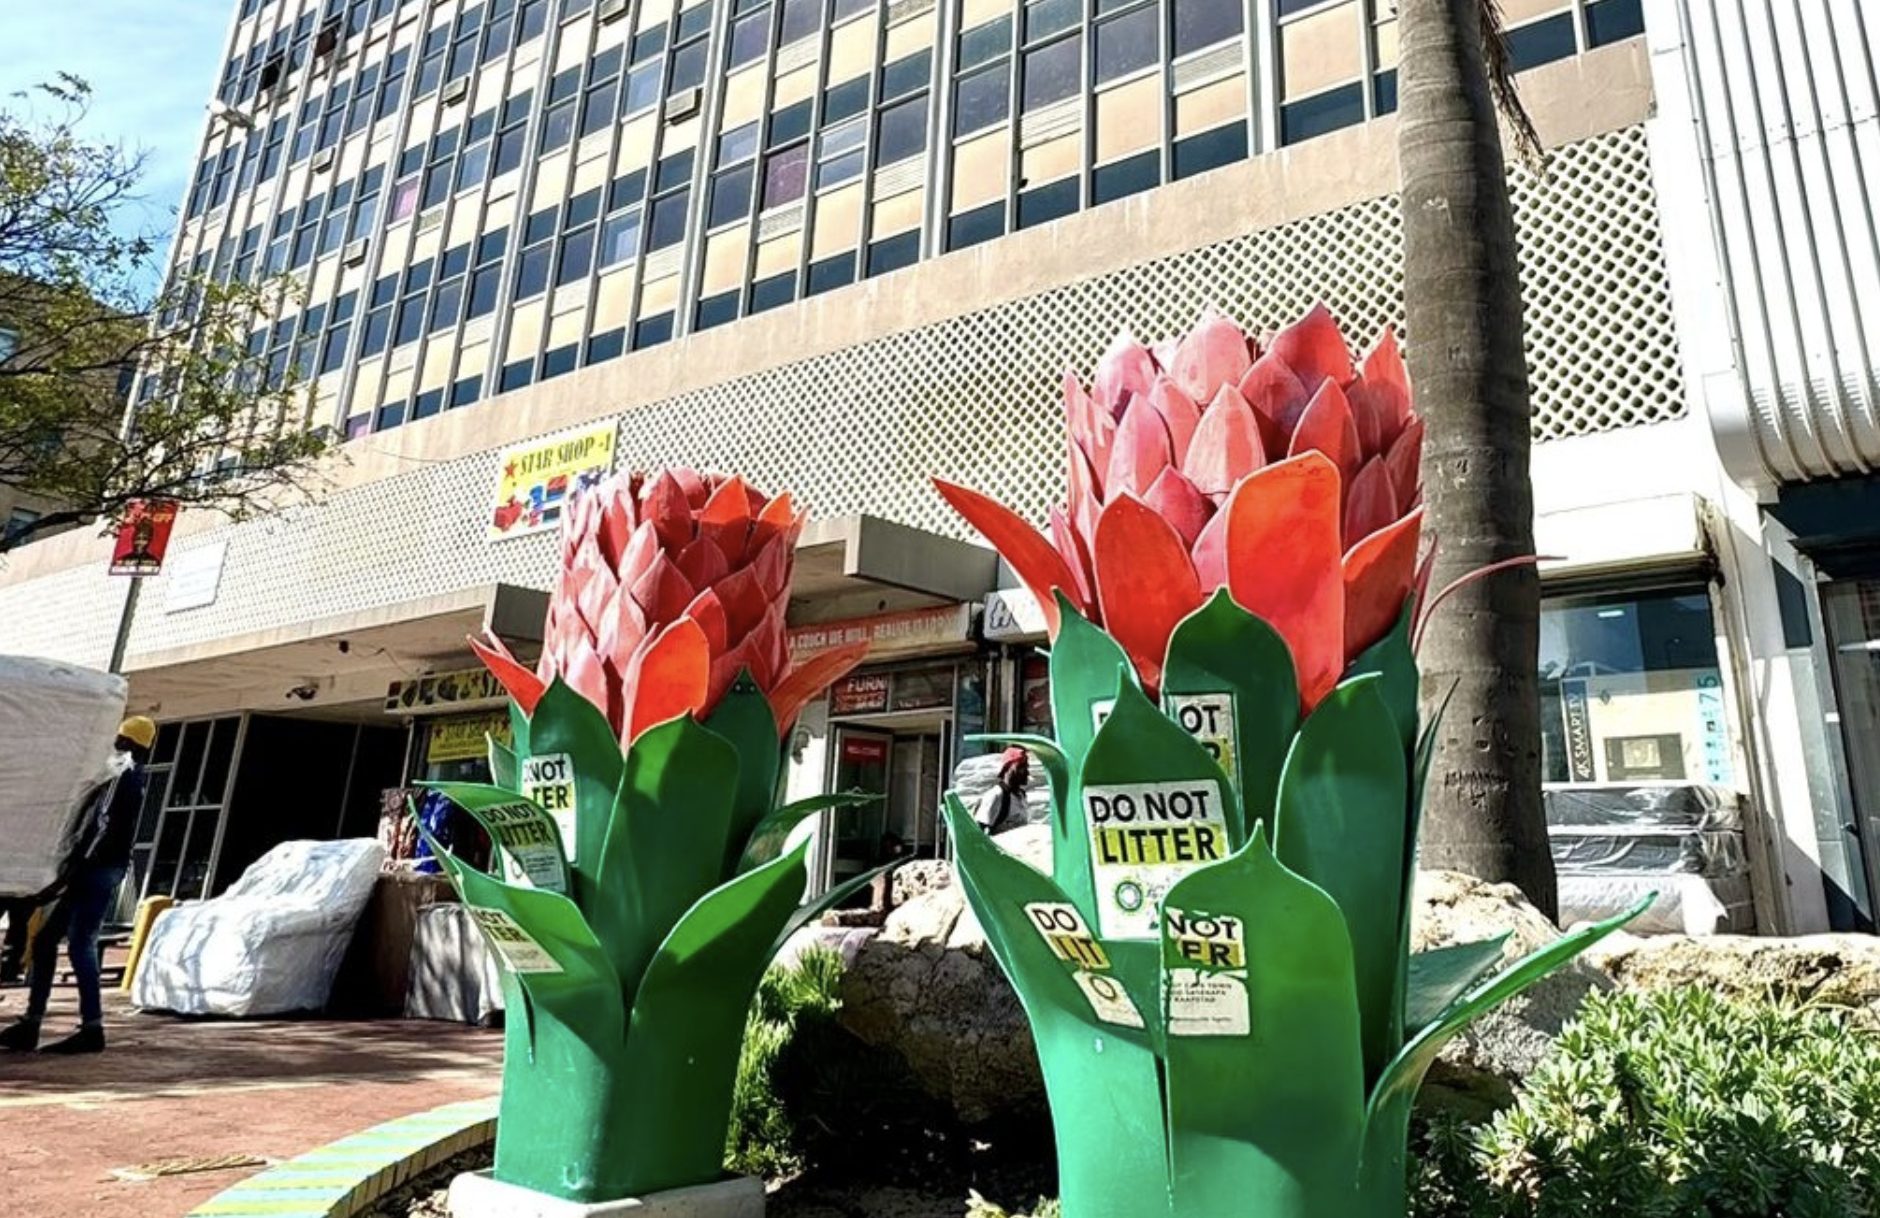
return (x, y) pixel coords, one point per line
(1500, 65)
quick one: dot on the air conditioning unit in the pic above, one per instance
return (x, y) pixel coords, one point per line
(684, 104)
(612, 10)
(323, 160)
(456, 91)
(354, 253)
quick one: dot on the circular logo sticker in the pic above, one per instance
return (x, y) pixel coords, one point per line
(1128, 896)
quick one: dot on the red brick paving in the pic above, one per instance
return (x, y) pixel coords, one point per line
(167, 1087)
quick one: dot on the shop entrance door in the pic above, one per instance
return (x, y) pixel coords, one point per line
(1851, 611)
(907, 764)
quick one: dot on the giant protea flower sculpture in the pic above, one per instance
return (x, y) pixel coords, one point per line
(1161, 450)
(642, 880)
(1217, 970)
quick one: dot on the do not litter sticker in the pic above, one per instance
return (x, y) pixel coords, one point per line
(548, 780)
(1108, 999)
(1209, 718)
(518, 949)
(1145, 836)
(531, 853)
(1067, 935)
(1207, 974)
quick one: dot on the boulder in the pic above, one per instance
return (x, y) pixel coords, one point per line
(1840, 970)
(927, 987)
(1477, 1071)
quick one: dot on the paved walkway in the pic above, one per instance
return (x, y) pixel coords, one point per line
(169, 1087)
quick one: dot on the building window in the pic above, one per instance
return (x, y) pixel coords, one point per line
(831, 273)
(774, 292)
(19, 523)
(1052, 72)
(845, 100)
(717, 310)
(601, 100)
(1126, 177)
(1210, 149)
(1127, 43)
(981, 224)
(577, 255)
(1541, 42)
(750, 38)
(730, 196)
(1609, 21)
(1631, 690)
(1204, 23)
(486, 280)
(428, 403)
(513, 137)
(651, 331)
(800, 19)
(603, 347)
(1323, 113)
(982, 99)
(786, 174)
(1047, 203)
(893, 253)
(839, 152)
(903, 131)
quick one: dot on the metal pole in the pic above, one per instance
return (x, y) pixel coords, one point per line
(124, 625)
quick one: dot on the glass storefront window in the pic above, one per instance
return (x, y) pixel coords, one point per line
(1632, 691)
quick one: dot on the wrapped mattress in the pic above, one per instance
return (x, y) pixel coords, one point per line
(59, 721)
(1615, 842)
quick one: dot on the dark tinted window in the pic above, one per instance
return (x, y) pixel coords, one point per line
(903, 76)
(1127, 43)
(1384, 91)
(774, 292)
(831, 273)
(606, 346)
(972, 227)
(845, 100)
(1202, 23)
(903, 131)
(516, 375)
(561, 360)
(1541, 42)
(983, 42)
(1051, 73)
(1340, 107)
(1613, 20)
(1046, 17)
(731, 196)
(1047, 203)
(668, 225)
(717, 310)
(1211, 149)
(652, 331)
(981, 99)
(1127, 177)
(893, 253)
(789, 123)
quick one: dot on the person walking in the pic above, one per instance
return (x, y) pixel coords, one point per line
(100, 856)
(1003, 807)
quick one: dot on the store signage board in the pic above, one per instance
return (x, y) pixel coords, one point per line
(889, 634)
(1014, 616)
(536, 481)
(195, 578)
(862, 694)
(465, 737)
(471, 689)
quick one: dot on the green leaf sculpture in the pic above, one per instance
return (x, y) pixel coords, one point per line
(1218, 972)
(643, 877)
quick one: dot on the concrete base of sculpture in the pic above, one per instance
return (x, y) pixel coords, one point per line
(477, 1195)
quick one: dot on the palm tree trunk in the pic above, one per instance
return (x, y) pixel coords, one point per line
(1463, 316)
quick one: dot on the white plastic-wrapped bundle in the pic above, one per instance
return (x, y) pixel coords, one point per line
(270, 944)
(58, 722)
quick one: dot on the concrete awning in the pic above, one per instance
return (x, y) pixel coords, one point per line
(344, 660)
(855, 566)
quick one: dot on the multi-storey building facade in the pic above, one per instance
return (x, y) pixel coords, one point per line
(844, 245)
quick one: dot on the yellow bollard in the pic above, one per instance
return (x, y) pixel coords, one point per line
(148, 911)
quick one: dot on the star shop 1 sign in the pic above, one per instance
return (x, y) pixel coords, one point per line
(536, 481)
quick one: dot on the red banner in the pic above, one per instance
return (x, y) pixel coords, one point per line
(143, 537)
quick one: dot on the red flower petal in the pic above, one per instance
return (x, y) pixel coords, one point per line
(745, 600)
(725, 668)
(1039, 566)
(704, 563)
(1372, 503)
(726, 518)
(1091, 427)
(1278, 399)
(1227, 446)
(1176, 500)
(709, 612)
(1314, 349)
(586, 675)
(1145, 581)
(665, 504)
(1328, 427)
(1367, 411)
(1141, 453)
(1076, 556)
(810, 678)
(1125, 368)
(524, 686)
(669, 678)
(1179, 414)
(662, 590)
(1210, 554)
(1212, 354)
(1384, 370)
(1283, 563)
(1379, 572)
(616, 523)
(693, 485)
(1086, 493)
(1405, 461)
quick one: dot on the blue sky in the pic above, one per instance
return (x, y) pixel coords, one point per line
(151, 64)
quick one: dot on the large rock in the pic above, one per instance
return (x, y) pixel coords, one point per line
(927, 987)
(1478, 1070)
(1841, 970)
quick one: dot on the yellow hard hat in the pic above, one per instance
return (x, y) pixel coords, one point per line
(139, 731)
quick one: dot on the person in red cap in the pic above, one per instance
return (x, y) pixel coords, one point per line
(1003, 807)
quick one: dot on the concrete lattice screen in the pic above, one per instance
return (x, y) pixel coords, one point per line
(974, 397)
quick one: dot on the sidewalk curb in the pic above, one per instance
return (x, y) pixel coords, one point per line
(342, 1178)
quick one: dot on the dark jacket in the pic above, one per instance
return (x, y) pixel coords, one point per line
(110, 828)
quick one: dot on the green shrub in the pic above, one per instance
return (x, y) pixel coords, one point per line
(763, 1140)
(1679, 1104)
